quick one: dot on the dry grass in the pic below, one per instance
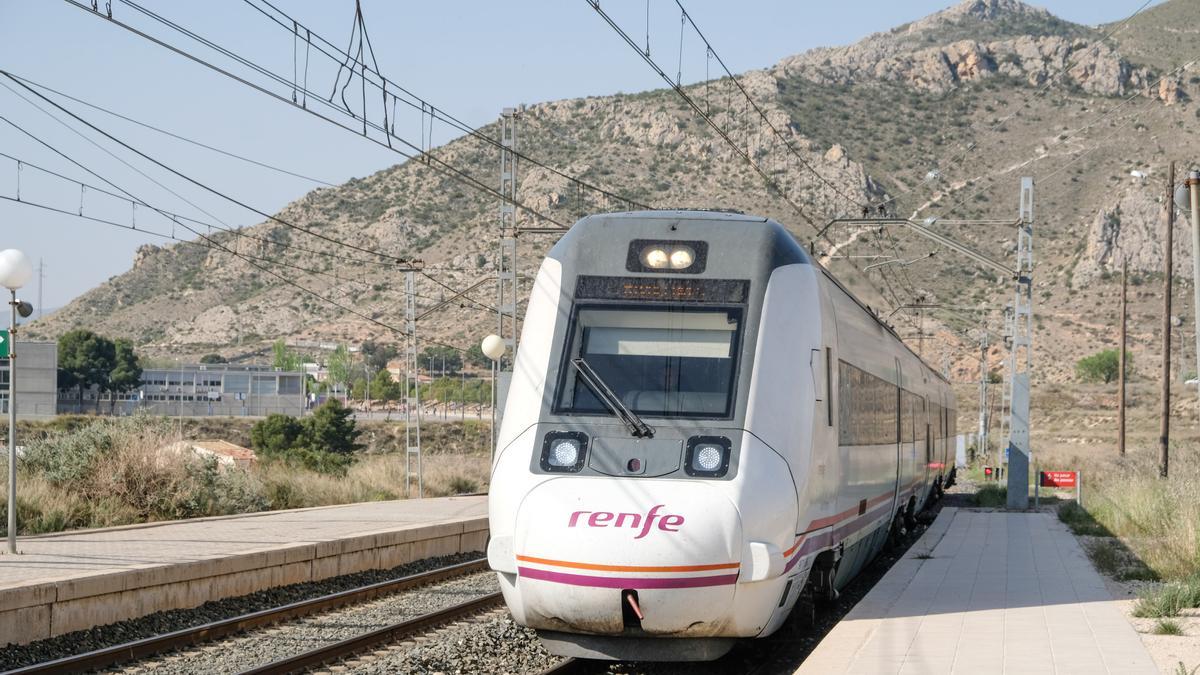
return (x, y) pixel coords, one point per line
(372, 478)
(116, 471)
(1158, 519)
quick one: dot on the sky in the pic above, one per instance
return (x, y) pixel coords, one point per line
(470, 59)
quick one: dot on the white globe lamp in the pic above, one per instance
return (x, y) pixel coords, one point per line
(15, 269)
(493, 347)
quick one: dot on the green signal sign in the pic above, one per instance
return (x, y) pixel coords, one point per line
(4, 342)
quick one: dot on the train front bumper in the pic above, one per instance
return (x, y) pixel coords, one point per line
(580, 546)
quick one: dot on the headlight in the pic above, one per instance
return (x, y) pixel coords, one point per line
(707, 456)
(564, 451)
(682, 257)
(654, 257)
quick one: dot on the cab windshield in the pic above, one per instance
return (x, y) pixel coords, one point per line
(660, 361)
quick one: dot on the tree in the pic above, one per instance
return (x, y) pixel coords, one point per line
(126, 374)
(439, 354)
(358, 388)
(339, 366)
(384, 388)
(276, 435)
(331, 429)
(1103, 366)
(377, 355)
(85, 359)
(284, 358)
(477, 358)
(213, 358)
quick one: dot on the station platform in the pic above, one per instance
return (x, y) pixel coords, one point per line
(60, 583)
(983, 593)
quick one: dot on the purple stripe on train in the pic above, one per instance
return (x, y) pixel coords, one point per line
(625, 582)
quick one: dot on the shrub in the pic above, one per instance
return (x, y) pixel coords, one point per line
(1169, 599)
(275, 435)
(1167, 627)
(991, 495)
(322, 442)
(331, 429)
(1103, 366)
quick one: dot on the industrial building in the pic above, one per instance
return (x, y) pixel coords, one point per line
(37, 380)
(200, 390)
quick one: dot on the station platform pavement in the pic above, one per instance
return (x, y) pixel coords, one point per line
(983, 593)
(60, 583)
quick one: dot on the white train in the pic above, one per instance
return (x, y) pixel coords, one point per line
(702, 424)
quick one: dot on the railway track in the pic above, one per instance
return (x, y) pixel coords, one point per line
(148, 647)
(393, 633)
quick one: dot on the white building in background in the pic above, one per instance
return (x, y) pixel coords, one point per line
(37, 380)
(200, 390)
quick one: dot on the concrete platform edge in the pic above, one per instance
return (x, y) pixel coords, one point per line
(56, 607)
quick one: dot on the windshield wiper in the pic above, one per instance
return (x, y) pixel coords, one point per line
(637, 426)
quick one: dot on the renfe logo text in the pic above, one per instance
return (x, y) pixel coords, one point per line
(636, 521)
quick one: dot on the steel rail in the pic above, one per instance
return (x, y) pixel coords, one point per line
(139, 649)
(392, 633)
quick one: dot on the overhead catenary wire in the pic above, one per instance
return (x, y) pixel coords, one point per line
(425, 158)
(211, 243)
(177, 136)
(687, 98)
(711, 51)
(435, 112)
(220, 224)
(771, 183)
(204, 186)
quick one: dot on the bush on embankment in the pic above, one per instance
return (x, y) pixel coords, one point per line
(99, 472)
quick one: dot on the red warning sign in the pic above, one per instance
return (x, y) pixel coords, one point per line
(1059, 479)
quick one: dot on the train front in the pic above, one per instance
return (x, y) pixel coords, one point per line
(632, 513)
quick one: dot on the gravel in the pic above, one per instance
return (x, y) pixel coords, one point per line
(15, 656)
(259, 647)
(494, 644)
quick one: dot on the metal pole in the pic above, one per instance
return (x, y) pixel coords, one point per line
(1164, 433)
(12, 425)
(495, 364)
(1193, 182)
(983, 416)
(1121, 366)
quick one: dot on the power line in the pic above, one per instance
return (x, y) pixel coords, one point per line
(761, 113)
(744, 154)
(175, 218)
(222, 225)
(214, 244)
(176, 136)
(417, 102)
(423, 156)
(768, 180)
(114, 139)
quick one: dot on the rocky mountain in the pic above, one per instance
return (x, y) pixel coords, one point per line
(940, 117)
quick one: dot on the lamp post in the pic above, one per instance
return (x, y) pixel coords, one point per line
(15, 271)
(493, 348)
(1188, 194)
